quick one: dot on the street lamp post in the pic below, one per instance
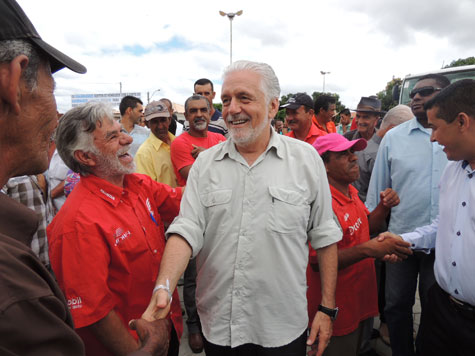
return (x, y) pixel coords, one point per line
(150, 96)
(230, 16)
(324, 73)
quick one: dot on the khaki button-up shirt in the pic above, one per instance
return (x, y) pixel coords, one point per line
(249, 228)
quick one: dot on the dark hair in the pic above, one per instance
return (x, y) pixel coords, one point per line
(325, 156)
(440, 79)
(203, 81)
(128, 102)
(456, 98)
(345, 112)
(323, 102)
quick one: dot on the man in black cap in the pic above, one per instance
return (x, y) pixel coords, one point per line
(34, 316)
(299, 113)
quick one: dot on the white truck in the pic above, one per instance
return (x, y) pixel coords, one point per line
(401, 93)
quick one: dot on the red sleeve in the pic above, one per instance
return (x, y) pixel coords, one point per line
(80, 260)
(180, 152)
(168, 200)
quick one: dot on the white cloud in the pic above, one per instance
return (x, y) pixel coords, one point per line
(363, 43)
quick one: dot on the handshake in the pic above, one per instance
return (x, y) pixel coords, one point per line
(388, 247)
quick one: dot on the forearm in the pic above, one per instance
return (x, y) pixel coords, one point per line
(174, 261)
(58, 191)
(328, 265)
(113, 334)
(377, 218)
(351, 255)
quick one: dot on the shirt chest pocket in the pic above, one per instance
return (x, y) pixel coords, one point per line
(289, 212)
(216, 202)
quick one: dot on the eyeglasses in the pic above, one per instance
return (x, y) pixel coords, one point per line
(423, 91)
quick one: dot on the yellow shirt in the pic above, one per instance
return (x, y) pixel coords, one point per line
(153, 159)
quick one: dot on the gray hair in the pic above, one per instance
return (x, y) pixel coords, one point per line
(397, 115)
(269, 81)
(10, 49)
(196, 97)
(75, 130)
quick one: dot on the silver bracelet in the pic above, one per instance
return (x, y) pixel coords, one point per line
(164, 287)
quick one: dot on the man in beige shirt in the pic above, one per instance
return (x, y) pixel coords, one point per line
(248, 213)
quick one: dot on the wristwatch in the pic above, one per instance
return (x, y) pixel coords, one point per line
(332, 313)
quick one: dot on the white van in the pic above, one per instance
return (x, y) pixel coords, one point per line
(401, 93)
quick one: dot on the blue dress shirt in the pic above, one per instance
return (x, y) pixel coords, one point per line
(411, 165)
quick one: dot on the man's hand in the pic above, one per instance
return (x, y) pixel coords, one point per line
(196, 151)
(389, 198)
(389, 247)
(154, 336)
(321, 332)
(158, 307)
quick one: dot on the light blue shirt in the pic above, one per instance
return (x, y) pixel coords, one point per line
(452, 233)
(411, 165)
(139, 134)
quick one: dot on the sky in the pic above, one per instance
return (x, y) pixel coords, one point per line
(163, 47)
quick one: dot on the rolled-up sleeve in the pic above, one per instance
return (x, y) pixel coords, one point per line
(190, 223)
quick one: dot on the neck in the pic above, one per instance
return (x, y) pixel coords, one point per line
(340, 186)
(367, 135)
(423, 121)
(165, 139)
(212, 111)
(127, 123)
(252, 151)
(195, 133)
(322, 122)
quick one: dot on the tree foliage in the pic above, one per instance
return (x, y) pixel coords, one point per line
(386, 95)
(461, 62)
(281, 114)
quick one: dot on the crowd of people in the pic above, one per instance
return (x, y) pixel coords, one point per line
(288, 242)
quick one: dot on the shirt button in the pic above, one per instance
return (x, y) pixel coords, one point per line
(155, 251)
(470, 175)
(458, 233)
(456, 291)
(463, 203)
(454, 264)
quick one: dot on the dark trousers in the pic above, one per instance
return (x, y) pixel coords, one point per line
(189, 290)
(448, 330)
(295, 348)
(174, 345)
(401, 283)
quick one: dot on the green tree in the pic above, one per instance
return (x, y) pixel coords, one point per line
(386, 95)
(461, 62)
(218, 106)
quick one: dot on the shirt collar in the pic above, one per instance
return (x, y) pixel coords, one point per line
(341, 198)
(229, 148)
(414, 124)
(157, 143)
(109, 192)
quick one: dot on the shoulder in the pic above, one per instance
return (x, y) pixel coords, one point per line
(350, 135)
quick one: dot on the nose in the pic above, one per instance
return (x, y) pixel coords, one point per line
(352, 157)
(125, 139)
(233, 107)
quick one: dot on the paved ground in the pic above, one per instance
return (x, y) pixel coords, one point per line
(381, 348)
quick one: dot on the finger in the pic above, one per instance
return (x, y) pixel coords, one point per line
(322, 345)
(132, 324)
(312, 336)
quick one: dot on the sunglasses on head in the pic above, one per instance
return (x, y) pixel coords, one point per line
(423, 91)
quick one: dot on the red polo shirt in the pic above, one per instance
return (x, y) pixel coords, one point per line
(105, 246)
(331, 128)
(183, 145)
(312, 135)
(356, 293)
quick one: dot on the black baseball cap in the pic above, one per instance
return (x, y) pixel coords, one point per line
(15, 25)
(297, 101)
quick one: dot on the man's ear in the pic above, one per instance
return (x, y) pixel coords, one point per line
(10, 83)
(273, 108)
(85, 158)
(463, 121)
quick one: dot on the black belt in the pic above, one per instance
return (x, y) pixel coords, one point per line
(464, 309)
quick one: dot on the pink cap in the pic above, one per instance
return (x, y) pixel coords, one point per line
(337, 143)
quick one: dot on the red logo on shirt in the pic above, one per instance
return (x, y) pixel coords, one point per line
(75, 303)
(355, 226)
(120, 235)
